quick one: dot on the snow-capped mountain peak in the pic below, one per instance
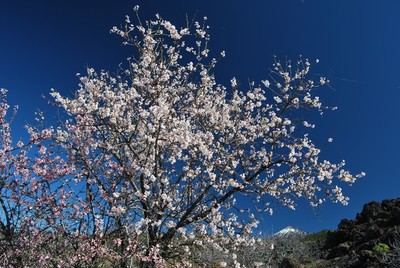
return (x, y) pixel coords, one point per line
(288, 231)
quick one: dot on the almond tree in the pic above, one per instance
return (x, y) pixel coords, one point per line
(42, 219)
(164, 154)
(29, 198)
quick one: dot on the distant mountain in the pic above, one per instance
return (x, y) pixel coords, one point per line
(290, 231)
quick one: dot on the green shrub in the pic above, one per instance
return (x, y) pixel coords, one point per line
(381, 248)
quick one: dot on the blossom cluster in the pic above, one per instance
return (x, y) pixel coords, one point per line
(153, 161)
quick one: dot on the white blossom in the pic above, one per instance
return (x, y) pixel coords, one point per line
(266, 83)
(169, 149)
(233, 82)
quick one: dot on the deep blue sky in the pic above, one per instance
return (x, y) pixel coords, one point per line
(44, 43)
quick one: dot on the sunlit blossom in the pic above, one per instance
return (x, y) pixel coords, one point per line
(149, 159)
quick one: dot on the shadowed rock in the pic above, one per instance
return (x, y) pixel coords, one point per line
(377, 223)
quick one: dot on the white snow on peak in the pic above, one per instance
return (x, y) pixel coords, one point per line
(289, 230)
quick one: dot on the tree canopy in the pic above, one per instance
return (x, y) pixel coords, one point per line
(150, 163)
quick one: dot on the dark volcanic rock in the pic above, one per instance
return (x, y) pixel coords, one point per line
(377, 223)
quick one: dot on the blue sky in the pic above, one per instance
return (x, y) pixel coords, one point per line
(45, 43)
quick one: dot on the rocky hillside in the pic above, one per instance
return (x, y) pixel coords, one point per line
(369, 239)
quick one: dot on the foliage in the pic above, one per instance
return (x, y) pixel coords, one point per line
(319, 236)
(151, 163)
(381, 248)
(391, 256)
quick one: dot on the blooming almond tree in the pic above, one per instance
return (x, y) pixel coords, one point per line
(165, 154)
(30, 198)
(18, 195)
(42, 220)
